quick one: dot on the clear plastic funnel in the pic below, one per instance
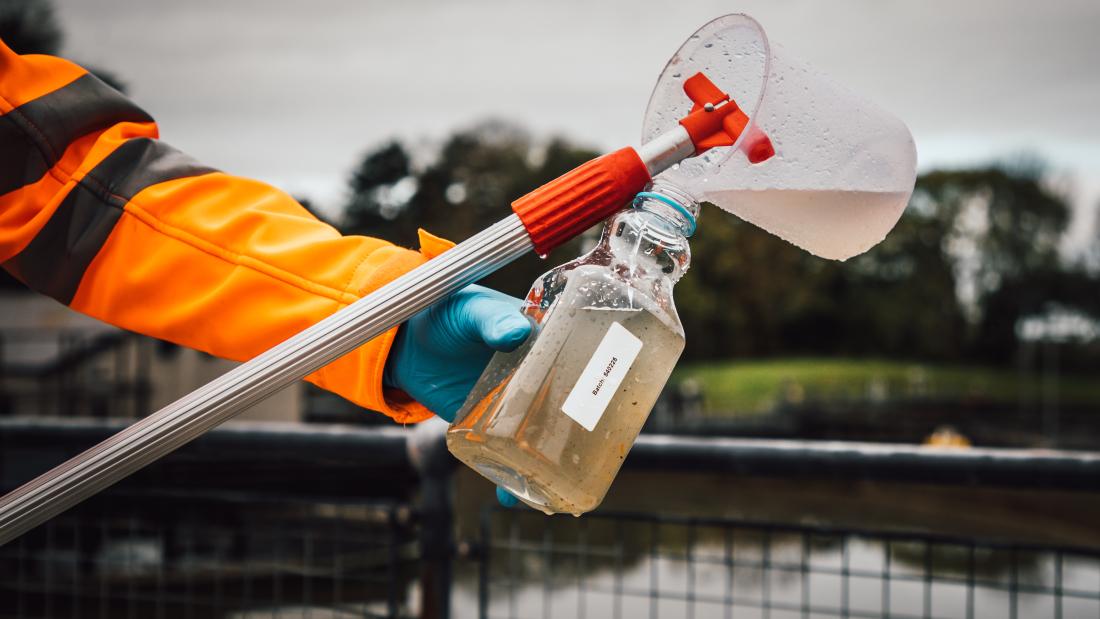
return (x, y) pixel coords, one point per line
(842, 170)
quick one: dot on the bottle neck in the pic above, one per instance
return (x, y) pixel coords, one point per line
(671, 203)
(650, 240)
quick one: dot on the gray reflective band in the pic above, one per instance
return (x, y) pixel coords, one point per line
(55, 260)
(21, 161)
(34, 135)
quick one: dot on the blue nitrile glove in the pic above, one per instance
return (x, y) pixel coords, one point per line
(439, 353)
(506, 498)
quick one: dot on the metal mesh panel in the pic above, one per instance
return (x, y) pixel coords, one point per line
(272, 521)
(209, 556)
(644, 565)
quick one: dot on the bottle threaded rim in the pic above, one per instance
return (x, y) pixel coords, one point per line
(680, 208)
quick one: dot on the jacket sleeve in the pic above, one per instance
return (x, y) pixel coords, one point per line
(98, 213)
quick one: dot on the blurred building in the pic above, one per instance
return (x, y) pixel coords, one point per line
(54, 361)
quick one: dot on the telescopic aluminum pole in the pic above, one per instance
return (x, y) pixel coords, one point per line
(571, 203)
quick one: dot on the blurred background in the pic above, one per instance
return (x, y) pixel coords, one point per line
(975, 325)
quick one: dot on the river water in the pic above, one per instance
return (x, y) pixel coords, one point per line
(613, 567)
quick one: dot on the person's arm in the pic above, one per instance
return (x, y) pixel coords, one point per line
(99, 214)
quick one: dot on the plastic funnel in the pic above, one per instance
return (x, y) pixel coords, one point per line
(842, 171)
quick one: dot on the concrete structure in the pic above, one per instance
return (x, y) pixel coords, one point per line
(36, 331)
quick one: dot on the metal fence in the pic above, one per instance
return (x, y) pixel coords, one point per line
(198, 555)
(647, 565)
(281, 520)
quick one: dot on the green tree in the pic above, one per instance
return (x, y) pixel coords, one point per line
(1004, 223)
(975, 252)
(466, 187)
(373, 208)
(749, 293)
(743, 289)
(30, 27)
(1002, 231)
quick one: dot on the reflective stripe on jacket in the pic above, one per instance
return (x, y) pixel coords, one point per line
(99, 214)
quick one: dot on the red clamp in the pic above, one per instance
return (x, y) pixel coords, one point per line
(715, 120)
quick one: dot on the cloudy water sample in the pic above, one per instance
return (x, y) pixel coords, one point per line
(524, 426)
(829, 224)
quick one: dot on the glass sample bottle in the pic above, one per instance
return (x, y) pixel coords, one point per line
(552, 421)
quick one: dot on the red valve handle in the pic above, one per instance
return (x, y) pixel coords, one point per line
(586, 195)
(581, 198)
(716, 120)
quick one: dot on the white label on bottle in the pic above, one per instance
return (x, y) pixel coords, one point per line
(602, 376)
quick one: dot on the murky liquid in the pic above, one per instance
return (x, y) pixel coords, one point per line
(513, 431)
(830, 224)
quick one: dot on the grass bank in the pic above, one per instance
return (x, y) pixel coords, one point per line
(747, 387)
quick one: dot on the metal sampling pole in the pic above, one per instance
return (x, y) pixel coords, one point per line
(544, 218)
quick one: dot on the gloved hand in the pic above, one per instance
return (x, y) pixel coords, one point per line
(439, 353)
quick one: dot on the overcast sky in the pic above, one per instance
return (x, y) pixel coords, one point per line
(293, 91)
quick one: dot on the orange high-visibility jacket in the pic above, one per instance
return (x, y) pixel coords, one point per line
(99, 214)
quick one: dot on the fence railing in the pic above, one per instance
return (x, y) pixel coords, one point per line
(630, 565)
(201, 554)
(323, 521)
